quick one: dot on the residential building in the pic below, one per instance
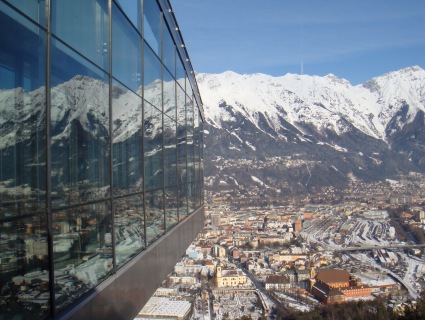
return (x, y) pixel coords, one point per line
(101, 156)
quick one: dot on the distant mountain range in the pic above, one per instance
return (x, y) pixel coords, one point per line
(297, 133)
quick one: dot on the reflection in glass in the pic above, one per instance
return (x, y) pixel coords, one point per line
(170, 155)
(180, 73)
(189, 114)
(24, 276)
(152, 78)
(152, 25)
(132, 9)
(36, 10)
(182, 190)
(129, 228)
(154, 174)
(79, 129)
(82, 248)
(191, 194)
(126, 52)
(169, 95)
(22, 116)
(181, 154)
(83, 25)
(189, 147)
(171, 207)
(154, 205)
(169, 52)
(127, 140)
(181, 106)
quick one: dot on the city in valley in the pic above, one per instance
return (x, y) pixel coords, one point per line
(364, 243)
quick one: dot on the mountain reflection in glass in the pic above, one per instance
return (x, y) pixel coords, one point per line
(153, 140)
(79, 129)
(127, 140)
(100, 150)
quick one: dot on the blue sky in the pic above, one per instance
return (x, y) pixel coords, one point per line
(355, 40)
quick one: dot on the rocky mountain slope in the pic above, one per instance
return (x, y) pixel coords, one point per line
(297, 133)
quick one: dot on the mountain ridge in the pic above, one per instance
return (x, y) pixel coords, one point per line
(367, 124)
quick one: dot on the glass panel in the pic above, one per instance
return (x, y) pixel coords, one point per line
(132, 9)
(127, 140)
(126, 52)
(181, 154)
(191, 191)
(24, 276)
(22, 116)
(182, 201)
(180, 73)
(189, 114)
(188, 87)
(170, 154)
(169, 86)
(169, 51)
(152, 78)
(201, 159)
(35, 9)
(181, 106)
(153, 147)
(82, 249)
(190, 147)
(171, 207)
(83, 25)
(79, 129)
(154, 215)
(129, 228)
(152, 25)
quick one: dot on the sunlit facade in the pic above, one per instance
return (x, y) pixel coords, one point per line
(101, 156)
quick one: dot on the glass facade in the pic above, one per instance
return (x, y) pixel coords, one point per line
(101, 145)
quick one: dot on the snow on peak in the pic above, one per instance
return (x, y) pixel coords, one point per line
(326, 102)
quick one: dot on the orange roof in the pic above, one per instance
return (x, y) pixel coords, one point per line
(331, 276)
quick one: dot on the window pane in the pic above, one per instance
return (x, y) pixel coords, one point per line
(182, 201)
(79, 129)
(180, 73)
(152, 78)
(152, 25)
(191, 196)
(154, 174)
(127, 140)
(189, 114)
(169, 95)
(132, 9)
(129, 228)
(170, 155)
(22, 115)
(181, 154)
(126, 52)
(169, 54)
(154, 215)
(171, 207)
(84, 26)
(35, 9)
(24, 276)
(189, 146)
(82, 248)
(181, 106)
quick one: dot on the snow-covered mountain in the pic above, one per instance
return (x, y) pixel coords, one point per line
(369, 131)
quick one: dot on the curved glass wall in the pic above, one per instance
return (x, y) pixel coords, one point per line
(100, 145)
